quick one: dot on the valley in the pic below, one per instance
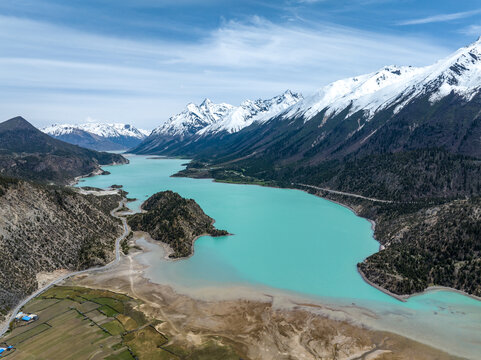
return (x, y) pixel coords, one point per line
(229, 269)
(345, 224)
(404, 135)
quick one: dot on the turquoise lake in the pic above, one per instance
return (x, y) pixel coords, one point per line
(290, 240)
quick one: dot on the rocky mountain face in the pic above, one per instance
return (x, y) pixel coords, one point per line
(209, 121)
(98, 136)
(26, 152)
(176, 221)
(44, 228)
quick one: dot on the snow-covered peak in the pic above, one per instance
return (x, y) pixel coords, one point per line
(395, 87)
(206, 103)
(342, 93)
(193, 118)
(251, 111)
(113, 130)
(209, 118)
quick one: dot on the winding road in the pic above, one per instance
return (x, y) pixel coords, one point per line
(345, 193)
(66, 276)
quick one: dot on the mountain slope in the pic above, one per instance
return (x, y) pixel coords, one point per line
(438, 245)
(98, 136)
(26, 152)
(45, 228)
(198, 124)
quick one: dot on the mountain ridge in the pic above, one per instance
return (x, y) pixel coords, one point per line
(210, 120)
(98, 136)
(28, 153)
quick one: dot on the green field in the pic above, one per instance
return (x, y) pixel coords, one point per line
(82, 323)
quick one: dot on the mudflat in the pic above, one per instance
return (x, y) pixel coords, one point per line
(260, 326)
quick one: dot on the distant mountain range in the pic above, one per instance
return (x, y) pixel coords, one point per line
(28, 153)
(393, 109)
(210, 121)
(98, 136)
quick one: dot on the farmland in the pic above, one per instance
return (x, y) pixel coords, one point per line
(83, 323)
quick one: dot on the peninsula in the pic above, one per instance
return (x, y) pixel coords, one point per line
(175, 221)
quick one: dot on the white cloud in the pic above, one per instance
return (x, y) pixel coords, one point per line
(441, 18)
(54, 74)
(472, 30)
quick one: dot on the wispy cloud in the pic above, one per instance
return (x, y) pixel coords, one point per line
(55, 74)
(441, 18)
(472, 30)
(309, 1)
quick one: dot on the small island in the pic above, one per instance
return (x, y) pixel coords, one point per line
(174, 220)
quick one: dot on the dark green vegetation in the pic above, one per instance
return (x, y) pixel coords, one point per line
(45, 228)
(82, 323)
(26, 152)
(425, 246)
(124, 244)
(176, 221)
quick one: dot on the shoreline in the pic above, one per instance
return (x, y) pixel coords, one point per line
(201, 312)
(403, 297)
(356, 313)
(95, 172)
(436, 288)
(168, 250)
(385, 291)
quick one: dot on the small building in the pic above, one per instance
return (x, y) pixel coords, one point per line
(3, 349)
(19, 315)
(26, 317)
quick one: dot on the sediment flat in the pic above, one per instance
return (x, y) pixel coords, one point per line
(258, 323)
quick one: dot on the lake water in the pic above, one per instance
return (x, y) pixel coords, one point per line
(293, 241)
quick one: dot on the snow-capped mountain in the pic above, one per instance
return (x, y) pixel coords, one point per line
(100, 129)
(193, 119)
(393, 109)
(209, 119)
(395, 87)
(251, 111)
(98, 136)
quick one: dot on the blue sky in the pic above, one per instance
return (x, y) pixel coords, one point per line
(140, 61)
